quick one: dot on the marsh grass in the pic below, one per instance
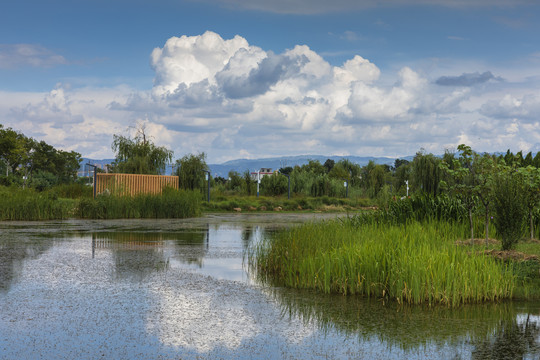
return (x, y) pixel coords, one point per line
(27, 204)
(171, 204)
(411, 263)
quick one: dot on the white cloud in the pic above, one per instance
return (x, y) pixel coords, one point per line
(232, 99)
(21, 55)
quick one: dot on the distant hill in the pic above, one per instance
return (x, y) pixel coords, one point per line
(275, 163)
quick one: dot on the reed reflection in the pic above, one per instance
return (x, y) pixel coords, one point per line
(487, 330)
(14, 252)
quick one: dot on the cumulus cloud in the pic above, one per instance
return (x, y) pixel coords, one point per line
(21, 55)
(510, 106)
(469, 79)
(232, 99)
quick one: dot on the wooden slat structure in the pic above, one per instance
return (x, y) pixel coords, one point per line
(133, 184)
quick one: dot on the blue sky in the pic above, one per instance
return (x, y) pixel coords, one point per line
(240, 79)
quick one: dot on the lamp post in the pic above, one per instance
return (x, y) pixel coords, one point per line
(94, 179)
(346, 184)
(208, 179)
(407, 182)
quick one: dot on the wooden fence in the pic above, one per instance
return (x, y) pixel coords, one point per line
(132, 184)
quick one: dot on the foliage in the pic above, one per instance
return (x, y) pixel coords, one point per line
(139, 155)
(191, 171)
(427, 173)
(40, 163)
(531, 191)
(274, 185)
(509, 206)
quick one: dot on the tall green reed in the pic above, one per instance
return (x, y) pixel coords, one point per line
(171, 204)
(410, 263)
(27, 204)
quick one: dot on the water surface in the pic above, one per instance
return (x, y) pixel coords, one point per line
(171, 289)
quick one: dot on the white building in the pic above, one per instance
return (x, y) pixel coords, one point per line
(261, 173)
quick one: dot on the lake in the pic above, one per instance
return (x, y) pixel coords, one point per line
(180, 289)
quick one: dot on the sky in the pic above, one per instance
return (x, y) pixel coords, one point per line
(263, 78)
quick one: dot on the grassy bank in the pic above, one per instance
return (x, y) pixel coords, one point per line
(297, 203)
(411, 263)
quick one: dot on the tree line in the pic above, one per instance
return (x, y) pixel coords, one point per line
(28, 162)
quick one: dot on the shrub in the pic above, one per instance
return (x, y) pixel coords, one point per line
(509, 208)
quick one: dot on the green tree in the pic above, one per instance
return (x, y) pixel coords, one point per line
(248, 184)
(402, 173)
(509, 205)
(531, 192)
(482, 172)
(14, 148)
(274, 185)
(315, 167)
(329, 164)
(191, 171)
(462, 181)
(235, 181)
(426, 173)
(139, 155)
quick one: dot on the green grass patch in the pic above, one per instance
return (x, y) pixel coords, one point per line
(411, 263)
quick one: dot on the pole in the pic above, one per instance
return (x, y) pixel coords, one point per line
(407, 182)
(208, 178)
(95, 177)
(258, 181)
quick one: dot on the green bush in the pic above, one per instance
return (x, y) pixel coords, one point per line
(509, 208)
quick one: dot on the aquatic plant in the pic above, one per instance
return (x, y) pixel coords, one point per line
(410, 263)
(27, 204)
(171, 204)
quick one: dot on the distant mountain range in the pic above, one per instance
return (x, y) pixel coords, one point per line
(252, 165)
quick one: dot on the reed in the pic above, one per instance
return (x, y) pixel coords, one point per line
(27, 204)
(171, 204)
(411, 263)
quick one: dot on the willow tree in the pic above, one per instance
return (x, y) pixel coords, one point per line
(139, 155)
(427, 173)
(191, 171)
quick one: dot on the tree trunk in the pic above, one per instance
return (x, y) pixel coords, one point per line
(487, 225)
(472, 227)
(531, 223)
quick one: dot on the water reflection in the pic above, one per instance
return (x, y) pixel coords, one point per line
(141, 253)
(14, 251)
(179, 289)
(486, 331)
(515, 338)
